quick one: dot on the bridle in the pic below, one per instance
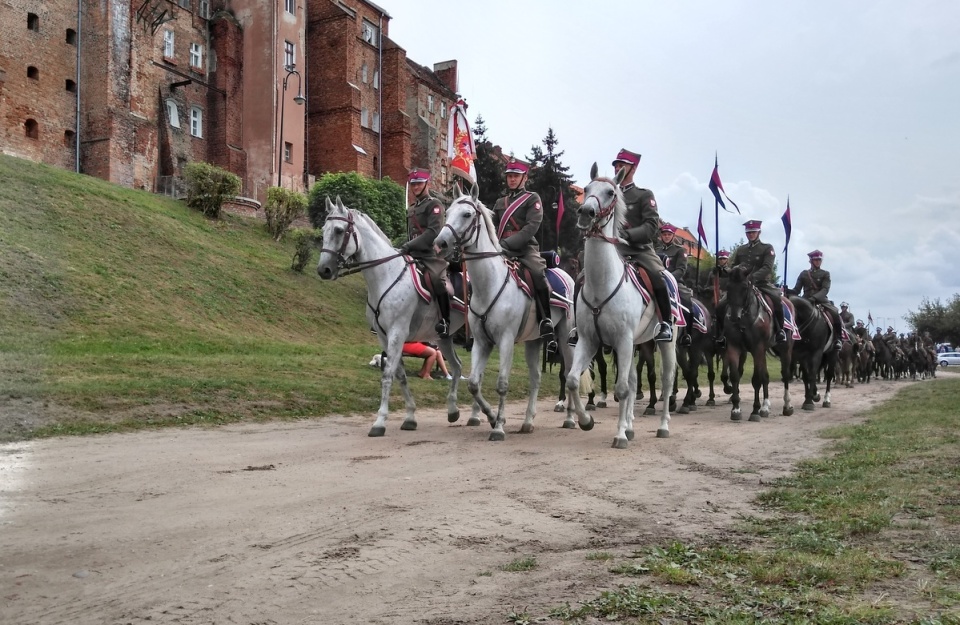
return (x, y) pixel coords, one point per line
(471, 232)
(602, 218)
(345, 268)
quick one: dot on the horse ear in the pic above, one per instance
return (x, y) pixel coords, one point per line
(474, 191)
(340, 204)
(330, 204)
(457, 190)
(593, 171)
(621, 175)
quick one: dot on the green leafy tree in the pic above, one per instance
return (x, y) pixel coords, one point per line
(304, 240)
(941, 321)
(283, 207)
(209, 186)
(382, 200)
(489, 165)
(550, 178)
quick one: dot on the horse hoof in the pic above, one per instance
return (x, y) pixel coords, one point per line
(788, 412)
(408, 425)
(816, 397)
(683, 410)
(728, 389)
(559, 407)
(673, 405)
(754, 417)
(735, 416)
(586, 427)
(692, 407)
(619, 443)
(569, 424)
(590, 407)
(378, 430)
(698, 393)
(639, 396)
(453, 417)
(497, 436)
(526, 428)
(662, 433)
(630, 434)
(711, 403)
(650, 410)
(764, 413)
(826, 404)
(808, 406)
(473, 421)
(601, 404)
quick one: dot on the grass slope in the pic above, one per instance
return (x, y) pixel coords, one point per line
(121, 309)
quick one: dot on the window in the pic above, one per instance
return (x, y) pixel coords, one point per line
(196, 122)
(168, 44)
(32, 128)
(364, 118)
(430, 103)
(289, 54)
(33, 22)
(71, 86)
(203, 9)
(376, 79)
(363, 73)
(290, 6)
(33, 72)
(443, 111)
(376, 122)
(71, 36)
(287, 152)
(173, 113)
(369, 32)
(184, 3)
(196, 56)
(68, 138)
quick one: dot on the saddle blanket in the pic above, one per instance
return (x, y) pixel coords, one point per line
(700, 316)
(673, 292)
(419, 284)
(789, 317)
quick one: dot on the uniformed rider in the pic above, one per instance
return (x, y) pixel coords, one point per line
(674, 259)
(425, 217)
(639, 232)
(758, 259)
(518, 215)
(814, 283)
(846, 316)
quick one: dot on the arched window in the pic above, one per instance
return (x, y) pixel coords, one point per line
(71, 86)
(33, 22)
(32, 128)
(173, 113)
(71, 36)
(68, 138)
(33, 73)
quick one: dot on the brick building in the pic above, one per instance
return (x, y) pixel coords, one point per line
(132, 90)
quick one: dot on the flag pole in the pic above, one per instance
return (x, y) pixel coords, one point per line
(716, 238)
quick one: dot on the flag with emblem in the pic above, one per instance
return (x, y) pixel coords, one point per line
(701, 233)
(559, 213)
(716, 187)
(787, 225)
(460, 147)
(869, 318)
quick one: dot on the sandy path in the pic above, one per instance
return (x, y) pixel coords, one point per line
(334, 527)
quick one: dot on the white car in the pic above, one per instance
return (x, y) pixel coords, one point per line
(948, 358)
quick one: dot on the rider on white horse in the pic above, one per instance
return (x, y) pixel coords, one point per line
(518, 215)
(425, 218)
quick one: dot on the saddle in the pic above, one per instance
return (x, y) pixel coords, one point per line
(641, 279)
(560, 293)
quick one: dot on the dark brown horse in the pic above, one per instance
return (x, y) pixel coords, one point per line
(748, 329)
(814, 351)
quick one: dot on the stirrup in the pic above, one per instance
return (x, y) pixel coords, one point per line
(552, 347)
(685, 340)
(721, 341)
(546, 329)
(443, 329)
(664, 334)
(781, 336)
(572, 339)
(838, 345)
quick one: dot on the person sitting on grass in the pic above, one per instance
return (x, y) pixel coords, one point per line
(431, 356)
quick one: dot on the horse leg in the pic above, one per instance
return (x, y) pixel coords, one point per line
(785, 357)
(711, 378)
(586, 347)
(668, 370)
(561, 405)
(479, 356)
(760, 381)
(503, 385)
(733, 371)
(602, 372)
(828, 381)
(626, 390)
(392, 368)
(651, 380)
(640, 363)
(456, 370)
(531, 351)
(567, 356)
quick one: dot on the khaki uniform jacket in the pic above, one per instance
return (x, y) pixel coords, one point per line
(642, 220)
(674, 259)
(518, 232)
(815, 284)
(758, 257)
(424, 221)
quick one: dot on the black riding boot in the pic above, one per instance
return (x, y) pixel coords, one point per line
(443, 303)
(837, 331)
(572, 339)
(665, 329)
(686, 339)
(780, 334)
(543, 316)
(718, 336)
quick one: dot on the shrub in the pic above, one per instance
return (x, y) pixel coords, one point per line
(303, 241)
(382, 200)
(209, 186)
(282, 208)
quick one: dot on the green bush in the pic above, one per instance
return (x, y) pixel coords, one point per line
(382, 200)
(303, 241)
(283, 207)
(209, 186)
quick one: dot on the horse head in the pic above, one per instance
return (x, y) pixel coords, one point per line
(466, 220)
(603, 207)
(340, 240)
(739, 293)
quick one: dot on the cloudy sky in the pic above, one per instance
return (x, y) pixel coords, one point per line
(848, 107)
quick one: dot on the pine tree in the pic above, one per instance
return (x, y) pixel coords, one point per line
(489, 164)
(549, 177)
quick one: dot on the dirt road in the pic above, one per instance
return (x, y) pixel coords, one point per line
(314, 522)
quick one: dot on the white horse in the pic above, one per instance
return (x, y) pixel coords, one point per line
(611, 309)
(395, 307)
(501, 313)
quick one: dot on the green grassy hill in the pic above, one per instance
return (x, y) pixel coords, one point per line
(120, 308)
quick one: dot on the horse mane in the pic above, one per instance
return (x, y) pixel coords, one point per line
(487, 215)
(370, 222)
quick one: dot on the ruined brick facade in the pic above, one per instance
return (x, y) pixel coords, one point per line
(165, 82)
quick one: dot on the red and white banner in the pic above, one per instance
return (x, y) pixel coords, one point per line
(460, 147)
